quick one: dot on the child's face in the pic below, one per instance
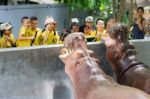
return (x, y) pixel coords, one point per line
(7, 32)
(86, 30)
(100, 25)
(89, 24)
(110, 23)
(26, 22)
(50, 26)
(34, 24)
(75, 28)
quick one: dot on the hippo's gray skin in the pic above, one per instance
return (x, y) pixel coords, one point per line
(89, 81)
(122, 57)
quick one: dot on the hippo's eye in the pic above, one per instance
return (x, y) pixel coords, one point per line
(81, 38)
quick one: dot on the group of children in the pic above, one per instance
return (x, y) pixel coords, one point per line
(31, 35)
(91, 32)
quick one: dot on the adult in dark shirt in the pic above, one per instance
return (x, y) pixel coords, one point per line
(138, 31)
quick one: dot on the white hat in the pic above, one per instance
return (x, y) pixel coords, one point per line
(75, 20)
(49, 19)
(5, 26)
(89, 19)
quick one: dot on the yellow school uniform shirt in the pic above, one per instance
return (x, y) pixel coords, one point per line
(58, 38)
(6, 44)
(92, 34)
(49, 37)
(25, 32)
(38, 36)
(100, 35)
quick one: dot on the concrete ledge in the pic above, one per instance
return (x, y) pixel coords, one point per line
(143, 49)
(38, 73)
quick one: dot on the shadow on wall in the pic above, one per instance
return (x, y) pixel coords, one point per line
(61, 91)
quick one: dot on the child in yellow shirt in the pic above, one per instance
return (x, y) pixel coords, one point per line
(49, 35)
(25, 35)
(35, 32)
(7, 40)
(100, 31)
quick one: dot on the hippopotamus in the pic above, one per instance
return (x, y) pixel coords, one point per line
(88, 80)
(122, 57)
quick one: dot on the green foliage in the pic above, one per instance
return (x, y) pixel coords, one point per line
(99, 8)
(105, 9)
(102, 5)
(84, 4)
(126, 17)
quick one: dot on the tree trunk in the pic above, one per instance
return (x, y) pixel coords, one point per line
(114, 8)
(121, 10)
(70, 14)
(132, 12)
